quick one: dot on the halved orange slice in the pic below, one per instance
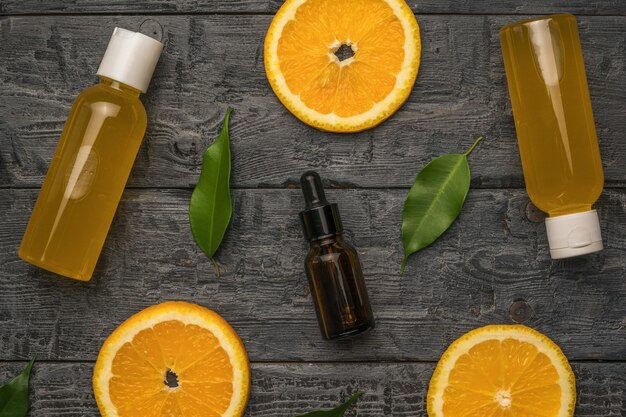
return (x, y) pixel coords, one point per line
(502, 371)
(174, 359)
(304, 48)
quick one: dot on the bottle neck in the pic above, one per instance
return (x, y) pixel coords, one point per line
(325, 241)
(125, 88)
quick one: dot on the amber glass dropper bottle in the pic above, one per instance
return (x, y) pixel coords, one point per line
(333, 267)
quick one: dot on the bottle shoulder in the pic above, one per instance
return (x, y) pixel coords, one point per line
(103, 93)
(335, 255)
(332, 245)
(119, 102)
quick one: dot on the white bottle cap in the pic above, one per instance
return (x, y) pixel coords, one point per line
(574, 234)
(130, 58)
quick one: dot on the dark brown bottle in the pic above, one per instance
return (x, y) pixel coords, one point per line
(333, 267)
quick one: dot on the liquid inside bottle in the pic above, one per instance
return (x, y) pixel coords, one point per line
(85, 180)
(555, 128)
(338, 288)
(92, 162)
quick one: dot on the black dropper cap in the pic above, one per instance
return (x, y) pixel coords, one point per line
(320, 219)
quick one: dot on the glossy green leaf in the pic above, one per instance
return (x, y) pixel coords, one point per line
(210, 208)
(335, 412)
(14, 394)
(434, 201)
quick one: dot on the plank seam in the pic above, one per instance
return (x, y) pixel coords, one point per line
(343, 363)
(244, 13)
(277, 188)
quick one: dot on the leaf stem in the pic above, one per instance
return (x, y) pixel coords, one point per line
(216, 266)
(339, 411)
(473, 146)
(30, 364)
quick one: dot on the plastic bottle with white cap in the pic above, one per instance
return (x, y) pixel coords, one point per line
(92, 162)
(555, 129)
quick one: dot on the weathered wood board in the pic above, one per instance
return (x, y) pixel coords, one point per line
(211, 62)
(284, 390)
(491, 257)
(492, 266)
(597, 7)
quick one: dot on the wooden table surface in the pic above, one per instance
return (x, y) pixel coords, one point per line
(492, 266)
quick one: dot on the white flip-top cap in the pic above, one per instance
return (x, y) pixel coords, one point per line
(130, 58)
(574, 234)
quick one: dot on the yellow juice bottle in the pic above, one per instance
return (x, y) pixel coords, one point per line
(92, 161)
(555, 129)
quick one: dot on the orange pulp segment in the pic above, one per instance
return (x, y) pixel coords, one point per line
(343, 95)
(175, 359)
(502, 371)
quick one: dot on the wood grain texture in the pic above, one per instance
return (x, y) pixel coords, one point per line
(597, 7)
(490, 258)
(494, 258)
(284, 390)
(211, 62)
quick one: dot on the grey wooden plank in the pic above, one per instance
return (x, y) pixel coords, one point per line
(291, 389)
(492, 257)
(214, 61)
(597, 7)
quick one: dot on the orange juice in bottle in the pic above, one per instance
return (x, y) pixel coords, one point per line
(92, 161)
(555, 129)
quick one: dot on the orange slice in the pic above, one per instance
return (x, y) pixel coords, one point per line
(174, 359)
(502, 371)
(348, 95)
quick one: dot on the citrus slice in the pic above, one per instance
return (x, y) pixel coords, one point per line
(303, 48)
(174, 359)
(502, 371)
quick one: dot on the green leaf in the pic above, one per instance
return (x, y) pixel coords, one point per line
(211, 207)
(14, 394)
(335, 412)
(434, 201)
